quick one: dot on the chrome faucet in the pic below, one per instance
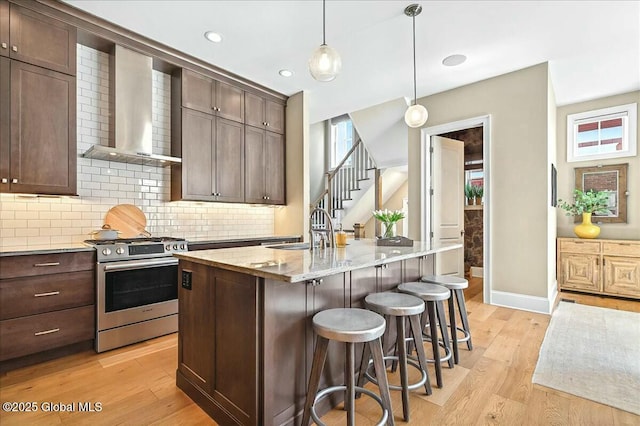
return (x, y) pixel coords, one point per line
(326, 234)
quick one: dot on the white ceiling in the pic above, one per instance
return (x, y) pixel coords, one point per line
(593, 47)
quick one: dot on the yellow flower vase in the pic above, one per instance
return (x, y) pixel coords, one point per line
(586, 229)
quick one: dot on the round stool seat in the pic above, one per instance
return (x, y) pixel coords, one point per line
(449, 281)
(395, 304)
(349, 325)
(426, 291)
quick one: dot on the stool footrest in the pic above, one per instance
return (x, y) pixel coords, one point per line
(410, 362)
(358, 389)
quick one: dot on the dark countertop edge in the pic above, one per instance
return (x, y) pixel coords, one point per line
(68, 249)
(313, 275)
(32, 251)
(239, 240)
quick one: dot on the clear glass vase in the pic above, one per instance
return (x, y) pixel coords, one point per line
(389, 230)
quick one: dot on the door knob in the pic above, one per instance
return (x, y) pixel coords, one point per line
(5, 180)
(4, 45)
(14, 48)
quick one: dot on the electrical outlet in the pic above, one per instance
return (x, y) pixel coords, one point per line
(186, 280)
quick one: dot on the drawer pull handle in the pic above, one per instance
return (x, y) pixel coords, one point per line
(41, 333)
(47, 264)
(624, 244)
(51, 293)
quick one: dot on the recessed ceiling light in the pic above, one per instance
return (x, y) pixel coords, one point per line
(213, 36)
(453, 60)
(285, 73)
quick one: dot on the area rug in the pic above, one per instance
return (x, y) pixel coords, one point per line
(593, 353)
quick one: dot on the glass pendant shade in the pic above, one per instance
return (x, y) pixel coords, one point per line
(325, 63)
(416, 115)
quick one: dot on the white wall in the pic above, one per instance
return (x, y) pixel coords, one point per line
(293, 219)
(518, 104)
(27, 221)
(566, 176)
(317, 159)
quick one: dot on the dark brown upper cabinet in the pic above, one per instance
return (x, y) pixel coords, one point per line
(38, 130)
(212, 151)
(210, 96)
(263, 113)
(264, 163)
(37, 39)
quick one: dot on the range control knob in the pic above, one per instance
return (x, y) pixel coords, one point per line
(167, 247)
(106, 251)
(182, 247)
(175, 247)
(120, 250)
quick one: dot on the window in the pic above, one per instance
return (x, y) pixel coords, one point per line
(341, 139)
(603, 133)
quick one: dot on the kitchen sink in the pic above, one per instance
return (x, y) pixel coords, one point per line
(298, 246)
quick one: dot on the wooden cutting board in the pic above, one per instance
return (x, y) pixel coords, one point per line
(128, 219)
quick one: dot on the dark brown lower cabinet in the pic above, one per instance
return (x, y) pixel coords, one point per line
(246, 343)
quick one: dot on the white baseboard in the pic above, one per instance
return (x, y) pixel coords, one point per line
(523, 302)
(477, 271)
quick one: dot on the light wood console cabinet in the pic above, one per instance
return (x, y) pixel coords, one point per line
(609, 267)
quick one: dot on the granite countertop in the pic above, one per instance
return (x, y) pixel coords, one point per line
(44, 249)
(73, 247)
(301, 265)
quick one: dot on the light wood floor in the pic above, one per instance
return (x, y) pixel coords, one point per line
(491, 385)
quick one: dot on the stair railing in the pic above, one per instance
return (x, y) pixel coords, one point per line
(342, 180)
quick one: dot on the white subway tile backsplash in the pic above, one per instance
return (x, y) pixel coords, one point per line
(102, 184)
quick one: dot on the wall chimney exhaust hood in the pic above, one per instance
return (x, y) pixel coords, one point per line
(130, 140)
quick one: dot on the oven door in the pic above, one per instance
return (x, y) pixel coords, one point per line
(136, 290)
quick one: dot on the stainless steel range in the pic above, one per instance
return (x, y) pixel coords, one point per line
(137, 289)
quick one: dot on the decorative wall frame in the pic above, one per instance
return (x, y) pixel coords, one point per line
(611, 178)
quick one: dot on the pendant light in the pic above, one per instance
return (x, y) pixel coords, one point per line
(325, 64)
(416, 115)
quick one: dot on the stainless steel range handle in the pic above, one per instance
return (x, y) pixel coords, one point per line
(142, 264)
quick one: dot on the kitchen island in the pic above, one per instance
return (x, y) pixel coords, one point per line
(245, 340)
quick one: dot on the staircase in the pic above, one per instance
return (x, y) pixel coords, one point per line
(340, 182)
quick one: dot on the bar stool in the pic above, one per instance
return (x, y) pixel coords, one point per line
(402, 307)
(456, 285)
(433, 296)
(348, 325)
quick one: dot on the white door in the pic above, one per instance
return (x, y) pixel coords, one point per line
(447, 202)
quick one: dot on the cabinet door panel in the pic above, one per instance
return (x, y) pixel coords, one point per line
(229, 173)
(622, 276)
(5, 119)
(230, 102)
(42, 41)
(274, 169)
(581, 272)
(329, 294)
(254, 110)
(197, 92)
(254, 162)
(4, 28)
(43, 130)
(196, 349)
(197, 156)
(274, 116)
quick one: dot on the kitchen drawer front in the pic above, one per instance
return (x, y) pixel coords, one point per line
(621, 248)
(573, 246)
(45, 293)
(37, 333)
(41, 264)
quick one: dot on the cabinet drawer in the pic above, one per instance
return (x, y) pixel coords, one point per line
(45, 293)
(621, 248)
(41, 264)
(580, 246)
(37, 333)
